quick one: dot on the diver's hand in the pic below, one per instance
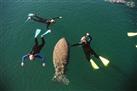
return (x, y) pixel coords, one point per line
(87, 34)
(43, 64)
(22, 64)
(49, 31)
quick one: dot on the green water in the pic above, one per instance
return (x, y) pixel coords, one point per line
(107, 23)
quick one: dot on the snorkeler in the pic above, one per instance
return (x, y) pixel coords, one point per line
(35, 52)
(89, 52)
(132, 34)
(48, 22)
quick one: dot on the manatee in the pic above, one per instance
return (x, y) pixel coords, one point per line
(60, 61)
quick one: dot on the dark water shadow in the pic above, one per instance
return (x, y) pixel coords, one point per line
(118, 70)
(4, 83)
(131, 84)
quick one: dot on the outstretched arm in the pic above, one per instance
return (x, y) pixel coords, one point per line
(59, 17)
(77, 44)
(89, 38)
(24, 57)
(41, 58)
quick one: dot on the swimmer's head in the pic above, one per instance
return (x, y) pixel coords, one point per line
(83, 39)
(31, 57)
(52, 21)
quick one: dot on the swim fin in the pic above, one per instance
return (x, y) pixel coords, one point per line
(37, 32)
(130, 34)
(28, 19)
(48, 31)
(29, 16)
(104, 60)
(94, 65)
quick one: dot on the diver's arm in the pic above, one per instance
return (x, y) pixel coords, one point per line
(41, 58)
(24, 57)
(77, 44)
(89, 38)
(59, 17)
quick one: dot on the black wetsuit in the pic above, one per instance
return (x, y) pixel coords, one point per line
(35, 50)
(87, 48)
(42, 20)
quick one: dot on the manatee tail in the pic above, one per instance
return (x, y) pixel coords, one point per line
(59, 74)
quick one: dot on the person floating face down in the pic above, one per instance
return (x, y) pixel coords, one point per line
(48, 22)
(35, 52)
(89, 52)
(85, 43)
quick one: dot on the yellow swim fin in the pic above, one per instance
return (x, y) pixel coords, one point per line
(130, 34)
(104, 60)
(94, 65)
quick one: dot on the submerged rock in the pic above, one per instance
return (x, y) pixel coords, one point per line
(60, 60)
(127, 3)
(116, 1)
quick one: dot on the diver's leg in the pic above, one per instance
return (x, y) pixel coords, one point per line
(41, 58)
(94, 53)
(40, 18)
(36, 42)
(42, 44)
(87, 56)
(102, 59)
(91, 61)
